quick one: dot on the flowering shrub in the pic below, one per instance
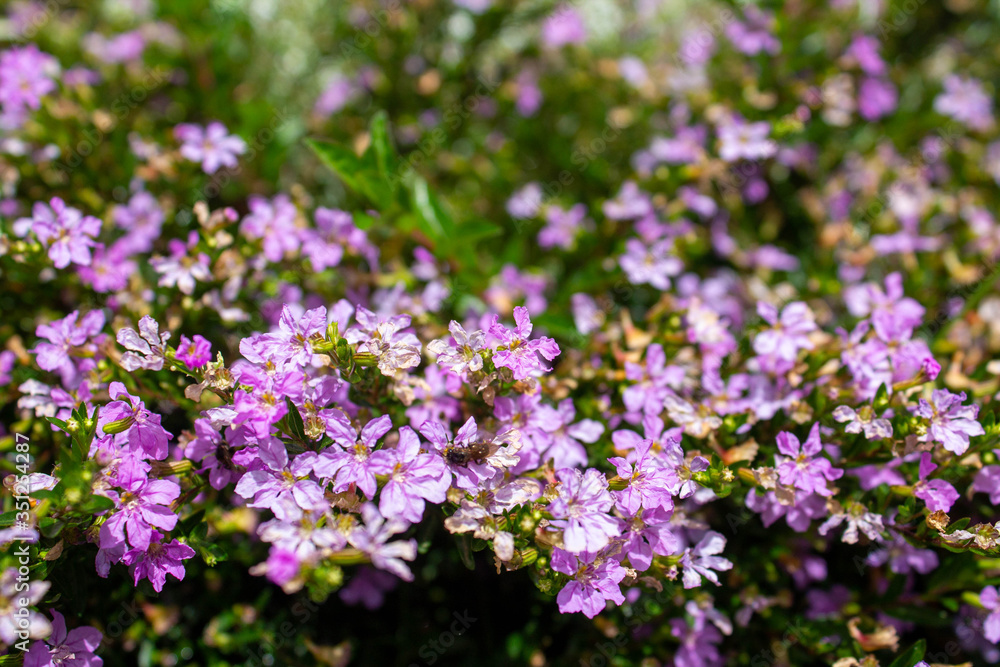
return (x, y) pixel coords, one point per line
(643, 336)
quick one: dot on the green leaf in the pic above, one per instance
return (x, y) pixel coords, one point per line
(881, 401)
(49, 494)
(911, 656)
(59, 423)
(385, 152)
(432, 218)
(357, 173)
(476, 230)
(97, 504)
(295, 425)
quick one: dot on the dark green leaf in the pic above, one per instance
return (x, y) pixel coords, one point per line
(295, 425)
(910, 656)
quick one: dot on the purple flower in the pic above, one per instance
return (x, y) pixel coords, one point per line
(755, 35)
(265, 404)
(521, 354)
(788, 334)
(356, 463)
(182, 268)
(302, 538)
(157, 561)
(284, 489)
(739, 140)
(66, 337)
(368, 588)
(64, 231)
(950, 423)
(213, 451)
(904, 558)
(142, 217)
(864, 49)
(593, 582)
(563, 226)
(858, 518)
(702, 561)
(339, 91)
(863, 420)
(529, 95)
(937, 493)
(282, 566)
(274, 221)
(146, 349)
(293, 341)
(581, 510)
(460, 353)
(630, 203)
(698, 642)
(876, 98)
(213, 146)
(137, 428)
(965, 100)
(526, 202)
(798, 516)
(653, 264)
(413, 478)
(26, 77)
(472, 475)
(12, 593)
(73, 649)
(653, 379)
(495, 497)
(564, 437)
(648, 481)
(563, 26)
(647, 533)
(142, 505)
(194, 353)
(800, 469)
(894, 316)
(990, 600)
(372, 538)
(394, 350)
(988, 481)
(122, 48)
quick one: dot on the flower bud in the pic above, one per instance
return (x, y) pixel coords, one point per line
(119, 425)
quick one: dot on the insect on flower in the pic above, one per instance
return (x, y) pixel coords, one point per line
(477, 451)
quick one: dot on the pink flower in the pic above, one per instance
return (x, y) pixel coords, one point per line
(157, 561)
(143, 504)
(71, 649)
(702, 561)
(801, 469)
(195, 353)
(581, 510)
(937, 493)
(521, 354)
(593, 582)
(372, 538)
(65, 231)
(213, 146)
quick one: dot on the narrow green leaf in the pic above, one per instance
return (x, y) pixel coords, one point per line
(295, 425)
(911, 656)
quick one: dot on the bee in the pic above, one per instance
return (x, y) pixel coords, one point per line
(225, 456)
(477, 451)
